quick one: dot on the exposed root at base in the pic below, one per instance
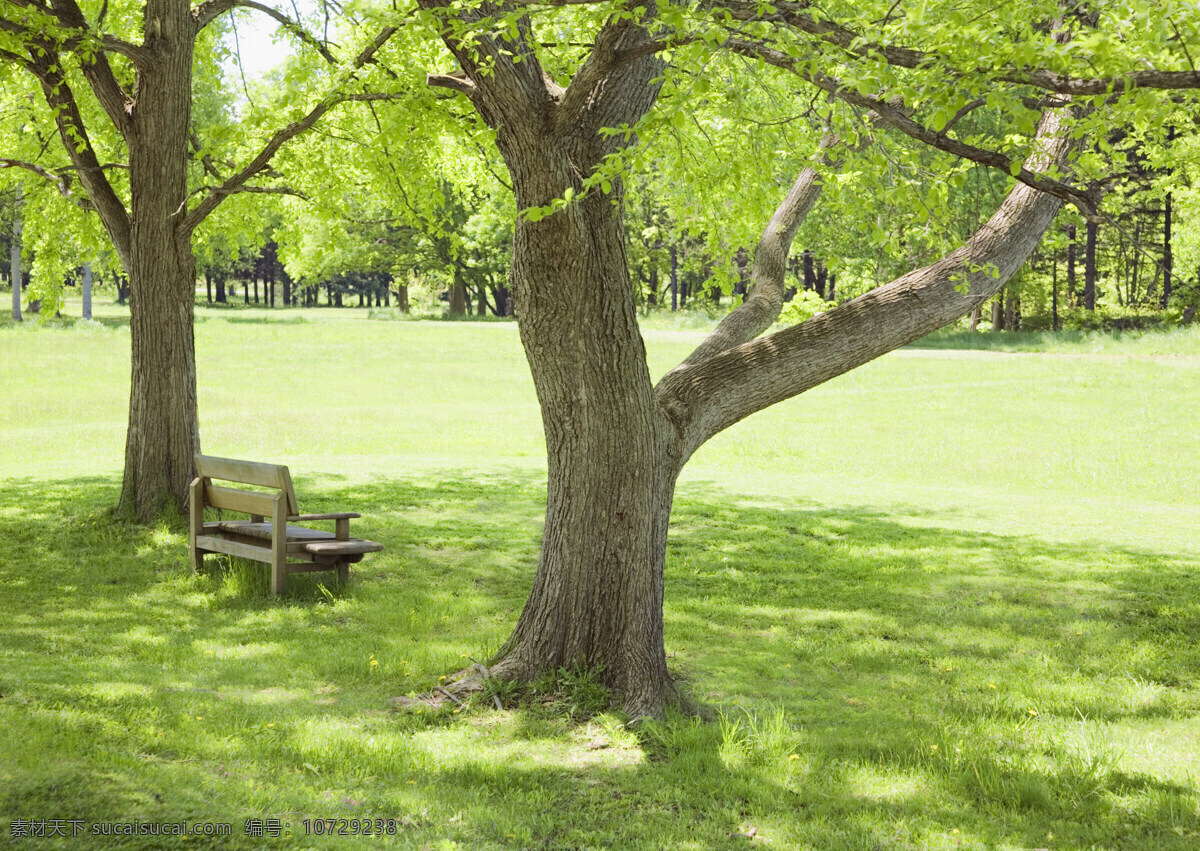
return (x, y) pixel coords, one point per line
(458, 689)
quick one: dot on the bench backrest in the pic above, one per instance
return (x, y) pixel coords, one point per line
(274, 476)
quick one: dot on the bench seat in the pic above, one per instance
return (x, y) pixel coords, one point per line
(265, 531)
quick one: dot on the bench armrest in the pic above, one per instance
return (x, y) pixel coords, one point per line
(342, 515)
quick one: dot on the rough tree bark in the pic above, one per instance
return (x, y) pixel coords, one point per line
(164, 429)
(615, 442)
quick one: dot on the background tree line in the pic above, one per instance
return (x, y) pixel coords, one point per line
(1139, 266)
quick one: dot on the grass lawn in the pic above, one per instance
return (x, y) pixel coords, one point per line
(950, 600)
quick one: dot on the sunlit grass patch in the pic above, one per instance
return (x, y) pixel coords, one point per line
(943, 602)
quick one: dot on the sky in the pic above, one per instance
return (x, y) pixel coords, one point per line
(260, 51)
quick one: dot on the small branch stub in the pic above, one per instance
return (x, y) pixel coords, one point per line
(457, 82)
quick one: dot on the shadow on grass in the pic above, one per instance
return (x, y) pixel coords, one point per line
(927, 685)
(1171, 336)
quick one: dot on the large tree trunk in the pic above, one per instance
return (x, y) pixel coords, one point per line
(163, 425)
(613, 457)
(598, 594)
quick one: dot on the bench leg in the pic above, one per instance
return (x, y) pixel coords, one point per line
(278, 577)
(278, 546)
(195, 522)
(343, 572)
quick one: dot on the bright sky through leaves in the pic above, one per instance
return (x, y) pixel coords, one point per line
(257, 44)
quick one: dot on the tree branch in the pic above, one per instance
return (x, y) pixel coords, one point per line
(762, 305)
(896, 118)
(619, 41)
(61, 182)
(704, 398)
(1062, 84)
(507, 76)
(234, 183)
(135, 53)
(39, 42)
(794, 15)
(459, 82)
(47, 67)
(117, 103)
(252, 190)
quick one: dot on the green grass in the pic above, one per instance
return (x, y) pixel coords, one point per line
(949, 600)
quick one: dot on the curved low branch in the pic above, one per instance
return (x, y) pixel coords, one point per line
(762, 305)
(704, 398)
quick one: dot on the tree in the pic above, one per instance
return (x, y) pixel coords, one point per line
(134, 77)
(616, 441)
(14, 252)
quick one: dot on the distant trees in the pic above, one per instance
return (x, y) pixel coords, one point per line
(124, 121)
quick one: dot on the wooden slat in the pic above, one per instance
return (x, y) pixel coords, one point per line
(195, 521)
(250, 473)
(279, 513)
(311, 567)
(213, 544)
(233, 499)
(246, 472)
(265, 530)
(352, 547)
(285, 480)
(294, 548)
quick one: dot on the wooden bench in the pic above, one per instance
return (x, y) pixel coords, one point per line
(268, 497)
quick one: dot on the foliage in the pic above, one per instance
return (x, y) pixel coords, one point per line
(804, 306)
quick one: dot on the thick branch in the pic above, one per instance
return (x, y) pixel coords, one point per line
(73, 133)
(135, 53)
(895, 117)
(236, 182)
(510, 84)
(765, 300)
(1080, 86)
(704, 398)
(116, 101)
(794, 15)
(620, 41)
(454, 82)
